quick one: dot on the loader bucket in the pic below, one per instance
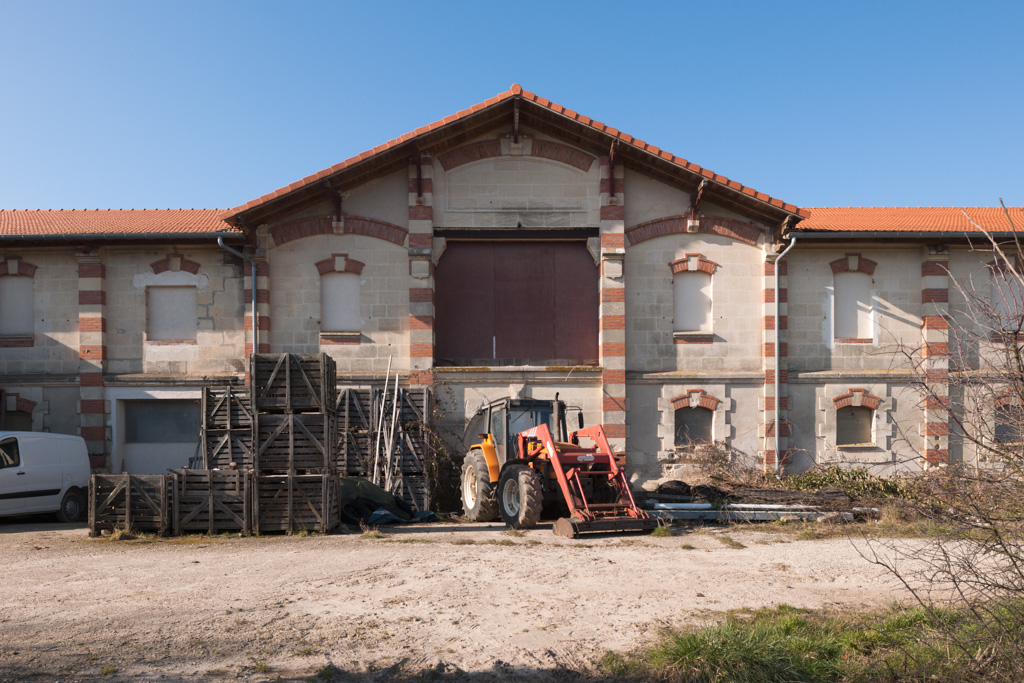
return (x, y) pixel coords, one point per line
(571, 528)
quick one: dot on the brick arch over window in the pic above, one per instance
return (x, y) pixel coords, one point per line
(678, 225)
(856, 398)
(327, 225)
(695, 398)
(15, 265)
(853, 263)
(541, 149)
(174, 263)
(16, 402)
(340, 263)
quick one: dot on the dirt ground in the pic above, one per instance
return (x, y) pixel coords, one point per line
(464, 602)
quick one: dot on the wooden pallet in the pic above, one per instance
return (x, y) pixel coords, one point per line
(130, 501)
(295, 443)
(293, 503)
(293, 383)
(212, 501)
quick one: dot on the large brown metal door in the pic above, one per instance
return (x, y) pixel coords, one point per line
(512, 302)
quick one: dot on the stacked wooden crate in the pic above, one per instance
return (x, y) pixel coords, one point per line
(227, 428)
(294, 436)
(359, 452)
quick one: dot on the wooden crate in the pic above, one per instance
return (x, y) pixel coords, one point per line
(228, 449)
(227, 408)
(293, 383)
(292, 503)
(295, 443)
(212, 501)
(357, 412)
(130, 501)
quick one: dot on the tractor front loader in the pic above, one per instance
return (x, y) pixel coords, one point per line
(519, 471)
(592, 485)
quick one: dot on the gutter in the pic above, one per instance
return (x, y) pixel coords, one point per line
(778, 346)
(110, 236)
(252, 266)
(838, 235)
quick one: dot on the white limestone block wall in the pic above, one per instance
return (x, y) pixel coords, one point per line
(219, 345)
(54, 312)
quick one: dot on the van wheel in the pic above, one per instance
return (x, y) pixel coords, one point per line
(71, 507)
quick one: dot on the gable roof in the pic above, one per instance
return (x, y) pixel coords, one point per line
(127, 223)
(910, 219)
(461, 126)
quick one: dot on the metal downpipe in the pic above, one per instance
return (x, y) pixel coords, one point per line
(252, 265)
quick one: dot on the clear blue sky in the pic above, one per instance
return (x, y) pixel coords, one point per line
(210, 104)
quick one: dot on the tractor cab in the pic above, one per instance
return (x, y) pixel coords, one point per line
(505, 418)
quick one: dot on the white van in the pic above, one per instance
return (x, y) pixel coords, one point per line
(43, 472)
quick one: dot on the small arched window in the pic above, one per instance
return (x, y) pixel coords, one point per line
(693, 426)
(1008, 424)
(854, 426)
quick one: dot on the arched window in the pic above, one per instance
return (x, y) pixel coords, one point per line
(693, 426)
(1008, 423)
(852, 303)
(691, 293)
(16, 300)
(854, 426)
(1006, 298)
(339, 302)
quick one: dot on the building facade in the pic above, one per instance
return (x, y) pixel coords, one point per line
(516, 248)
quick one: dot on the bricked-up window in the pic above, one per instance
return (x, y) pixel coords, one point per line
(339, 303)
(1009, 420)
(171, 314)
(692, 294)
(15, 306)
(852, 306)
(854, 426)
(693, 426)
(1006, 296)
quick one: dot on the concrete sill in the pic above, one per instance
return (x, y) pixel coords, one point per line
(334, 338)
(856, 446)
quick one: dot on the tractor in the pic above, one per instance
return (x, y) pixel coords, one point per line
(529, 464)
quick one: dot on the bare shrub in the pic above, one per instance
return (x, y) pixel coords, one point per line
(974, 498)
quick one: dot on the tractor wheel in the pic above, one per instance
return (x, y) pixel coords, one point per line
(520, 496)
(478, 497)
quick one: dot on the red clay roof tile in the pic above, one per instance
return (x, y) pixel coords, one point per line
(112, 221)
(911, 218)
